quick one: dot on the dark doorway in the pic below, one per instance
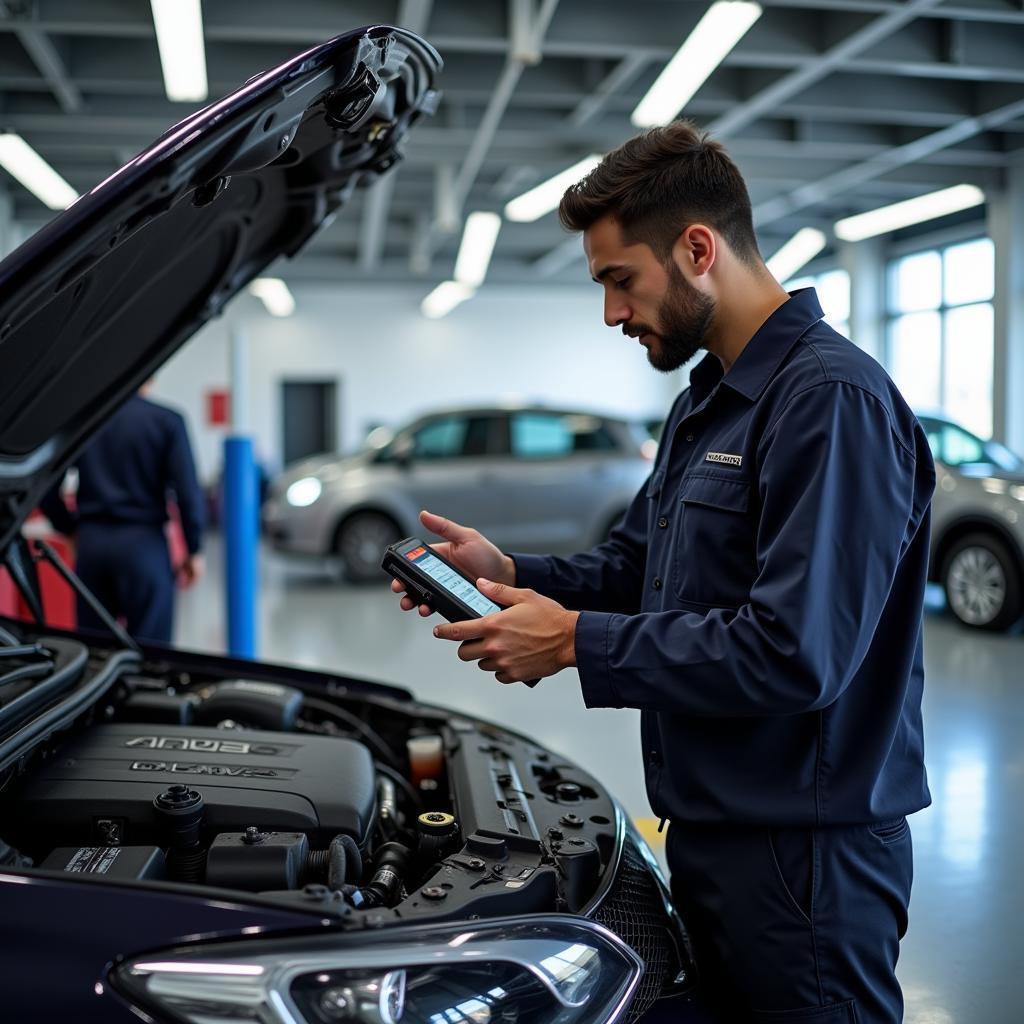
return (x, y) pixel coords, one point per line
(309, 418)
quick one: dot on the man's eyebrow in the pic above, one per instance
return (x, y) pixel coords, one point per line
(605, 271)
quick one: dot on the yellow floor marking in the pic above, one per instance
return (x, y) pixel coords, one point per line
(648, 828)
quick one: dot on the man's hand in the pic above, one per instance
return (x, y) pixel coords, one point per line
(468, 550)
(191, 571)
(531, 638)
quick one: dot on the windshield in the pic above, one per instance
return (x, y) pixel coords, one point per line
(957, 447)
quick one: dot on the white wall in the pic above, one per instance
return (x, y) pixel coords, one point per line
(391, 363)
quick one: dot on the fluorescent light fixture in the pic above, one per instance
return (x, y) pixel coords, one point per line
(444, 298)
(796, 253)
(274, 294)
(478, 238)
(22, 162)
(545, 197)
(722, 27)
(179, 36)
(910, 211)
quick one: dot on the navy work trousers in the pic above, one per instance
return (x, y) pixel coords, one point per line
(795, 925)
(128, 567)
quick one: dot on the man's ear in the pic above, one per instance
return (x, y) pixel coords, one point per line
(695, 250)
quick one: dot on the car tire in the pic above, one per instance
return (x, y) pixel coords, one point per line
(982, 581)
(359, 543)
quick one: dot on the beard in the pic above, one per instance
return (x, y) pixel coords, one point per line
(685, 315)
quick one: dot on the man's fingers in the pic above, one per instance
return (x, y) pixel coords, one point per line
(471, 629)
(501, 593)
(426, 610)
(398, 588)
(445, 527)
(471, 650)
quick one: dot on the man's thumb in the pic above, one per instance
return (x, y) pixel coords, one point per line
(500, 593)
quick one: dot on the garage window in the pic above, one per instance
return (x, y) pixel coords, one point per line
(940, 331)
(833, 288)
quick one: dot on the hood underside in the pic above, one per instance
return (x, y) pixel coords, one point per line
(100, 298)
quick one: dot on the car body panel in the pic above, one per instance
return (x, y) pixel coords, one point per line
(558, 504)
(974, 496)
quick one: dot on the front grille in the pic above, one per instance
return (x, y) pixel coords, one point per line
(634, 911)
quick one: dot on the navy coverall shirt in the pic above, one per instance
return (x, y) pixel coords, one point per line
(127, 469)
(761, 600)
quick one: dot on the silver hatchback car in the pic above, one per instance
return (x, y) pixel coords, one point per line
(977, 546)
(530, 477)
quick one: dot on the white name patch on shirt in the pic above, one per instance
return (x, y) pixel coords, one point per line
(724, 458)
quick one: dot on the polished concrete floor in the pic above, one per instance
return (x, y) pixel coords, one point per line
(961, 960)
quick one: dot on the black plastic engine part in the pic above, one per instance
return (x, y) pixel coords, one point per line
(256, 861)
(391, 862)
(287, 782)
(125, 863)
(579, 864)
(439, 836)
(180, 813)
(158, 708)
(251, 702)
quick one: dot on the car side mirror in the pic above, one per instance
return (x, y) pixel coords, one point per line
(402, 452)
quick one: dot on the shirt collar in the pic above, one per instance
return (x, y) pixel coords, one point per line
(763, 355)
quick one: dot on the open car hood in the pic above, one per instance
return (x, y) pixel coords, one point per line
(96, 301)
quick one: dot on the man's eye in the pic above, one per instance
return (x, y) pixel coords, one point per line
(624, 283)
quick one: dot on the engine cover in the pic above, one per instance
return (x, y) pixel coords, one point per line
(102, 786)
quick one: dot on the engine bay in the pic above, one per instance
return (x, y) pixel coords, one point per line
(368, 805)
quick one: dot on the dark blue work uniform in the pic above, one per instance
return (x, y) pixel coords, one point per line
(125, 477)
(761, 604)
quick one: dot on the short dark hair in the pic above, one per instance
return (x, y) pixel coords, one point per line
(659, 182)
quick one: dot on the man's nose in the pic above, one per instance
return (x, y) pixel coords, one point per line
(615, 311)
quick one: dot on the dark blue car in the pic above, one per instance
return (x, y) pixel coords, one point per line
(190, 838)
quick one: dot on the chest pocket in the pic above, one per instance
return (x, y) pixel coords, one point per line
(714, 551)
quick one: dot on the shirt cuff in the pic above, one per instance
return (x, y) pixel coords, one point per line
(532, 571)
(592, 633)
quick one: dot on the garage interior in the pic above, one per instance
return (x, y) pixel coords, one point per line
(830, 109)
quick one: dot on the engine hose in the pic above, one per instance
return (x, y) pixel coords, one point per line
(391, 864)
(340, 864)
(345, 864)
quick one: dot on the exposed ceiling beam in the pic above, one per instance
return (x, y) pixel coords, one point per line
(373, 230)
(563, 255)
(619, 78)
(525, 43)
(44, 55)
(797, 81)
(883, 163)
(414, 15)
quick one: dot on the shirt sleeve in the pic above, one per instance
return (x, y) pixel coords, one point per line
(606, 578)
(181, 478)
(841, 500)
(55, 509)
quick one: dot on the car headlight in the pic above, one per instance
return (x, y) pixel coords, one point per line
(547, 970)
(303, 492)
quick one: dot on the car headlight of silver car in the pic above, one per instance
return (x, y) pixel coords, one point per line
(548, 970)
(303, 492)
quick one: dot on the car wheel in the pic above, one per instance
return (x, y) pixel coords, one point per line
(360, 544)
(982, 582)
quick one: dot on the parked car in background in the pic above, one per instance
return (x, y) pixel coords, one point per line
(530, 477)
(977, 525)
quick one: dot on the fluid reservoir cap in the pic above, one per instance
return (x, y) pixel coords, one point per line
(436, 821)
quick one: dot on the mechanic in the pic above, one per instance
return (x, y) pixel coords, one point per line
(125, 476)
(760, 602)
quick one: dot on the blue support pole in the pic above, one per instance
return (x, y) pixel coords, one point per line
(241, 524)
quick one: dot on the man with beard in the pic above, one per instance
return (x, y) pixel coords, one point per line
(760, 602)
